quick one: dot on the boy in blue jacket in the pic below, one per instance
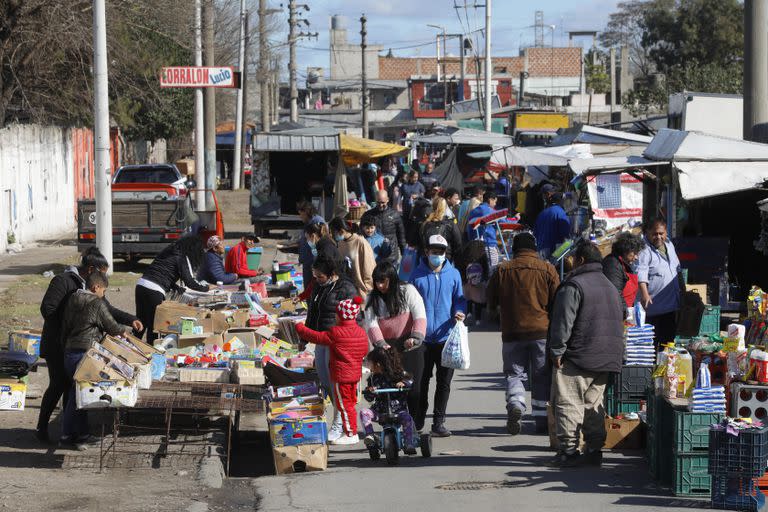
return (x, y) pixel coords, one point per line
(439, 284)
(486, 233)
(382, 251)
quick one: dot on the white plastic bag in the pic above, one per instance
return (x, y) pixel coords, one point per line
(456, 350)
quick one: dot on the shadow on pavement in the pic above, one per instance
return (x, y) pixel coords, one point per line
(661, 501)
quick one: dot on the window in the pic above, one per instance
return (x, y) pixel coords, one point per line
(164, 175)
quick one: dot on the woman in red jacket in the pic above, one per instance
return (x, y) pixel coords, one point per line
(348, 344)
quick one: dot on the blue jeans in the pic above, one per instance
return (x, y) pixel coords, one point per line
(74, 423)
(322, 360)
(521, 358)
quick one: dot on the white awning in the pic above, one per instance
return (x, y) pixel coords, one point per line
(609, 164)
(707, 179)
(683, 146)
(515, 156)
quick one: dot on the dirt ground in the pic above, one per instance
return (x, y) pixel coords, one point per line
(40, 477)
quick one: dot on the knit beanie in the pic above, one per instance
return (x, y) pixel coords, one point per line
(350, 308)
(523, 241)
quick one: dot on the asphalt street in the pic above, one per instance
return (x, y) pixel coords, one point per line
(480, 468)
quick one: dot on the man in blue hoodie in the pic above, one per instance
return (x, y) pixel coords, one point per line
(439, 284)
(552, 225)
(487, 233)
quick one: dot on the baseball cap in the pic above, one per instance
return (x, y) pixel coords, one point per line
(437, 241)
(548, 188)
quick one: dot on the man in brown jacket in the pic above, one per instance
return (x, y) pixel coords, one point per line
(523, 289)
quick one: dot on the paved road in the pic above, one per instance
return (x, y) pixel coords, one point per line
(479, 452)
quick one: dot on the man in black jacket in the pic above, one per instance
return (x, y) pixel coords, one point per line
(389, 223)
(586, 344)
(59, 290)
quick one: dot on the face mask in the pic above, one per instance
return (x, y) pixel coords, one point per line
(435, 260)
(313, 249)
(633, 267)
(339, 238)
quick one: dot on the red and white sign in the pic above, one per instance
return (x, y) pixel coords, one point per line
(616, 198)
(197, 76)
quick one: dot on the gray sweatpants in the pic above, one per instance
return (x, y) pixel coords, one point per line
(577, 402)
(521, 358)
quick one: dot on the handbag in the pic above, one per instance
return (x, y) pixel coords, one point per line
(456, 349)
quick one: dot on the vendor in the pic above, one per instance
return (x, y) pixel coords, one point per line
(213, 266)
(179, 261)
(552, 225)
(237, 259)
(619, 266)
(658, 273)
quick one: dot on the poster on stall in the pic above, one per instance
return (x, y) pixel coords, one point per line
(616, 198)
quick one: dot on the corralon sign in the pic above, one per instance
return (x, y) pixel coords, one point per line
(198, 76)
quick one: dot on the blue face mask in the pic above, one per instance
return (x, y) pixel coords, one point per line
(634, 266)
(339, 238)
(314, 250)
(435, 260)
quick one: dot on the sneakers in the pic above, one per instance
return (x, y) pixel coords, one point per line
(42, 435)
(346, 440)
(514, 415)
(568, 460)
(370, 441)
(439, 430)
(409, 450)
(593, 458)
(80, 443)
(335, 432)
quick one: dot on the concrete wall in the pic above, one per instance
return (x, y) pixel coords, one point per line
(37, 183)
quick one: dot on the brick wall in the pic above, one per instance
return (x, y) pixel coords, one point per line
(541, 62)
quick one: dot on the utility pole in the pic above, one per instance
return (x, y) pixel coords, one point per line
(244, 84)
(102, 169)
(263, 67)
(756, 70)
(462, 49)
(292, 64)
(209, 99)
(237, 160)
(199, 115)
(275, 91)
(488, 66)
(613, 82)
(363, 47)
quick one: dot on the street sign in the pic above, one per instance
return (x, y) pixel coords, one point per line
(198, 76)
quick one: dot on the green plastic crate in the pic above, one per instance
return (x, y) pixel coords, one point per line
(627, 407)
(691, 476)
(692, 431)
(710, 321)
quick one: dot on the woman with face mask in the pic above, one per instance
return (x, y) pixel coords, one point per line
(330, 288)
(320, 244)
(620, 267)
(357, 253)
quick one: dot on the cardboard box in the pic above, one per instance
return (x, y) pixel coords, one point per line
(13, 394)
(250, 376)
(311, 407)
(105, 393)
(700, 289)
(226, 319)
(299, 389)
(99, 364)
(169, 314)
(247, 335)
(204, 375)
(25, 340)
(124, 350)
(277, 305)
(623, 434)
(300, 458)
(200, 339)
(296, 431)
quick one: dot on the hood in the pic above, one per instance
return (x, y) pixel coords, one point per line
(72, 269)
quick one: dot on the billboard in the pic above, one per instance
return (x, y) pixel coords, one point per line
(198, 76)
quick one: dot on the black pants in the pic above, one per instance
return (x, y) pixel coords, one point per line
(432, 355)
(146, 303)
(413, 363)
(665, 328)
(58, 385)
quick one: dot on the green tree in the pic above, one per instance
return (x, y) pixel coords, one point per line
(595, 73)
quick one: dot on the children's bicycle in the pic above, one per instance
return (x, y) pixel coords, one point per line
(391, 440)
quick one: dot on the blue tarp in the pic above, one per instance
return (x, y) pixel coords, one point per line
(228, 138)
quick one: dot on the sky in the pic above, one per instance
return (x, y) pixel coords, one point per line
(402, 24)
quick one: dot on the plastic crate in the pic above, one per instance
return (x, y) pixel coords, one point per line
(609, 403)
(710, 321)
(624, 407)
(692, 431)
(745, 454)
(631, 384)
(653, 410)
(690, 477)
(736, 493)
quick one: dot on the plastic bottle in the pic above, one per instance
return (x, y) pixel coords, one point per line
(275, 266)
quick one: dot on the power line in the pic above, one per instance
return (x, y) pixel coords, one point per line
(357, 50)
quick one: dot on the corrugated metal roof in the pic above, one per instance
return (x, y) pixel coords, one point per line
(288, 142)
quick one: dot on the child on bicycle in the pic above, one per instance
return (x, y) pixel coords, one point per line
(387, 372)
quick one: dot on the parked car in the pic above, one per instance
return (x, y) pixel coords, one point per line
(163, 174)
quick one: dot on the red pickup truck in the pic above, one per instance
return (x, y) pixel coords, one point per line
(146, 217)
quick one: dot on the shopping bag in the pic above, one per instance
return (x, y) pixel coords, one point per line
(456, 349)
(408, 263)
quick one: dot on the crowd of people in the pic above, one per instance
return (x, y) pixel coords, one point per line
(565, 338)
